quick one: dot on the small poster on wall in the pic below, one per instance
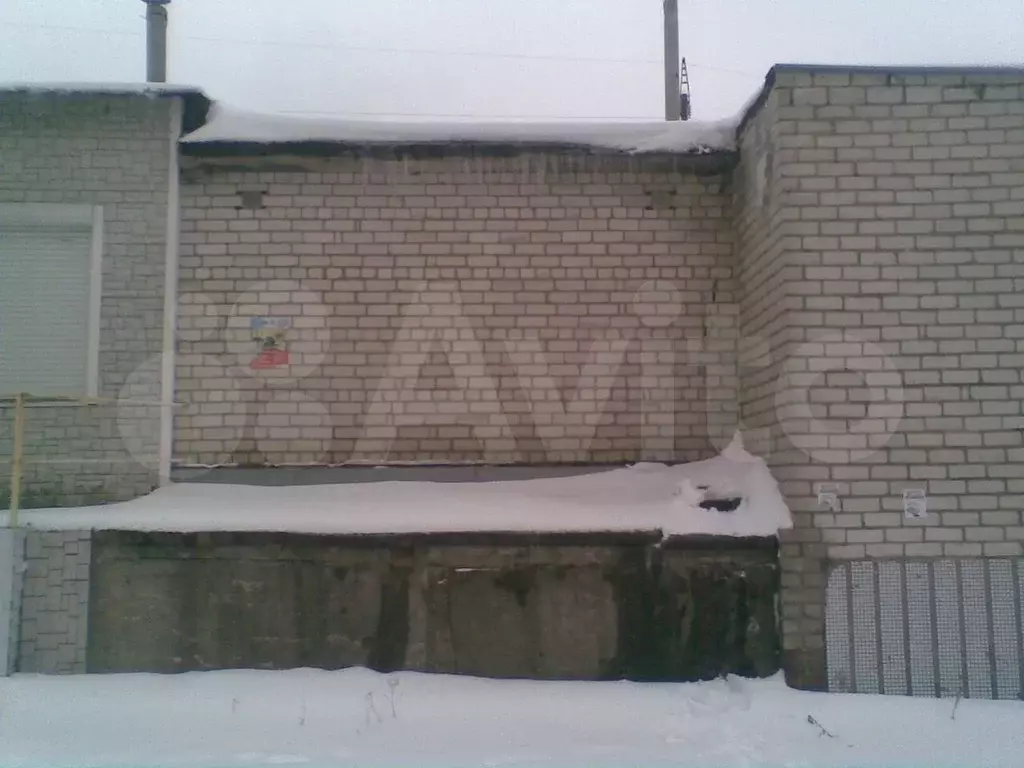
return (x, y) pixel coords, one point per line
(270, 333)
(915, 504)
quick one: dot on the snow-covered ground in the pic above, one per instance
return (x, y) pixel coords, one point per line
(359, 718)
(643, 497)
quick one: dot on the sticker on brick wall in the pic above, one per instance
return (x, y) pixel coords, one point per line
(915, 504)
(272, 348)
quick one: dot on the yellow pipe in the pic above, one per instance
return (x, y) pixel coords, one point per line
(88, 400)
(16, 459)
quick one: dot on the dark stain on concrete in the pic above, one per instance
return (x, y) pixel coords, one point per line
(518, 581)
(601, 606)
(392, 635)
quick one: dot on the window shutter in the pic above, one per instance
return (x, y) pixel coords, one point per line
(44, 310)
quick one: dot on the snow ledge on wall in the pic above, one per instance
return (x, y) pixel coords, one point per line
(640, 498)
(228, 125)
(98, 89)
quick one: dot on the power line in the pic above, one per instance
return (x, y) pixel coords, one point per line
(359, 48)
(67, 27)
(726, 70)
(375, 49)
(422, 51)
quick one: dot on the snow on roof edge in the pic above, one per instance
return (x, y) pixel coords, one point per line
(102, 88)
(642, 498)
(903, 69)
(756, 101)
(226, 125)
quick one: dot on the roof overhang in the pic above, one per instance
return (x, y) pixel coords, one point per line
(197, 103)
(232, 133)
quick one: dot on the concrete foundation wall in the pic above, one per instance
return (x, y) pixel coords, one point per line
(581, 607)
(113, 152)
(537, 308)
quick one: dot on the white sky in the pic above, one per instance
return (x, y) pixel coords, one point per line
(532, 59)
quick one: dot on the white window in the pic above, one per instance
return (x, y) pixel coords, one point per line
(50, 271)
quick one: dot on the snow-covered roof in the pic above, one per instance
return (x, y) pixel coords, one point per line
(651, 498)
(230, 126)
(99, 89)
(904, 69)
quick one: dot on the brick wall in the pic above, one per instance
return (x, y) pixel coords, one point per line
(904, 220)
(458, 309)
(770, 294)
(55, 602)
(765, 277)
(113, 152)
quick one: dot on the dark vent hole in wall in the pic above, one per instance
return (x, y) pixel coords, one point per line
(251, 198)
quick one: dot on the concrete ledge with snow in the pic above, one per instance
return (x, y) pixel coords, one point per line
(646, 572)
(733, 494)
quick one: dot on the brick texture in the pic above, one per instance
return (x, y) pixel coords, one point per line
(55, 602)
(903, 216)
(770, 295)
(540, 308)
(113, 152)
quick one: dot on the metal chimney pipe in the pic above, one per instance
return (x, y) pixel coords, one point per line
(671, 21)
(156, 41)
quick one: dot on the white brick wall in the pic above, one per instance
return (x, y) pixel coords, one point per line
(903, 215)
(765, 277)
(109, 151)
(449, 310)
(771, 294)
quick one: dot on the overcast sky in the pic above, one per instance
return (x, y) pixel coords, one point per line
(535, 59)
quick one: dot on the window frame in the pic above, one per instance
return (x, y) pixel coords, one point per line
(44, 216)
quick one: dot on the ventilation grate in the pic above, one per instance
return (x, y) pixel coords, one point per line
(950, 627)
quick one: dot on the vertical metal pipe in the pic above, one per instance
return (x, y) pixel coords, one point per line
(17, 460)
(156, 41)
(671, 18)
(170, 296)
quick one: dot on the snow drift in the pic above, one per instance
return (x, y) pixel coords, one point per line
(642, 497)
(358, 718)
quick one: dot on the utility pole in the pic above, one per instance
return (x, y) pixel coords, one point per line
(156, 40)
(671, 14)
(685, 107)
